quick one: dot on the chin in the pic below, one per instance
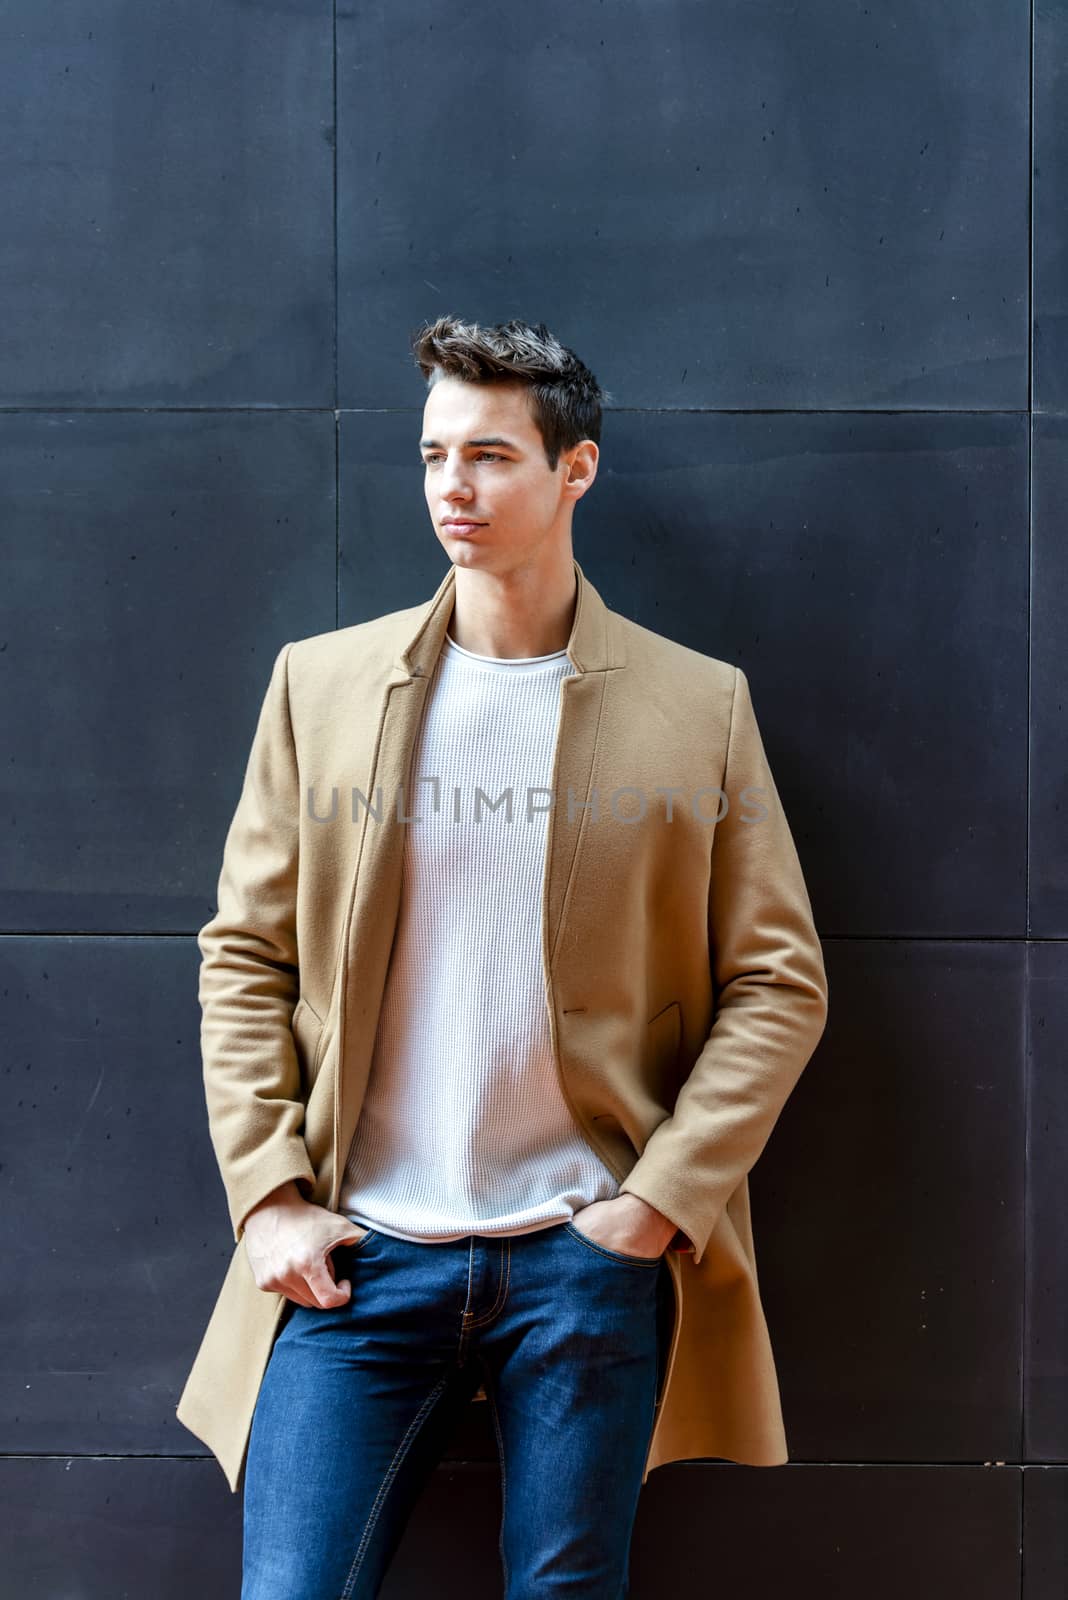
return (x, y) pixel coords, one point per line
(461, 550)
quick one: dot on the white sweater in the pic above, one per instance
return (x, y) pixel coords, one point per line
(464, 1128)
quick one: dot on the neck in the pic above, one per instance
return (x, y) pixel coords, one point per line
(526, 612)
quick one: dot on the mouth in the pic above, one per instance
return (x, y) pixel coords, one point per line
(463, 526)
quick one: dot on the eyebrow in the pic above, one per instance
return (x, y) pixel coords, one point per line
(468, 444)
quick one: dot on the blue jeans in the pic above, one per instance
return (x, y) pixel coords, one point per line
(358, 1403)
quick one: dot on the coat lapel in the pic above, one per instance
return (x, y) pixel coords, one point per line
(596, 649)
(374, 903)
(581, 698)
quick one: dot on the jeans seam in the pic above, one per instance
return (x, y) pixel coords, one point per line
(502, 1292)
(391, 1472)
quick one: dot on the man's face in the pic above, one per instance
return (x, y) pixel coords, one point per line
(521, 508)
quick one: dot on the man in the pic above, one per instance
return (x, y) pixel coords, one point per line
(489, 1052)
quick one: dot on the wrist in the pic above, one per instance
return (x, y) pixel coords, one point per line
(285, 1195)
(650, 1215)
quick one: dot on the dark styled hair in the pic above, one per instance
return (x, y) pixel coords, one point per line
(566, 398)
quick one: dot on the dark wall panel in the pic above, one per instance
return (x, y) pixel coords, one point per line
(732, 206)
(855, 1532)
(168, 204)
(1048, 881)
(115, 1246)
(1050, 207)
(154, 564)
(1046, 1390)
(1045, 1546)
(888, 1209)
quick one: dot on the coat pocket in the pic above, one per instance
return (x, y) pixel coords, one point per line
(307, 1029)
(663, 1041)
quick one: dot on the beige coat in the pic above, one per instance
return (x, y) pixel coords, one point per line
(684, 979)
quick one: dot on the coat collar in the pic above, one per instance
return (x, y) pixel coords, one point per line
(594, 644)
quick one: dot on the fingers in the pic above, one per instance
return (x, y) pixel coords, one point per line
(301, 1300)
(299, 1266)
(350, 1236)
(320, 1283)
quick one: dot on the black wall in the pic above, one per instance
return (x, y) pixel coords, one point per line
(819, 254)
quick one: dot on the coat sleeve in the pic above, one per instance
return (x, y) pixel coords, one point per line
(249, 980)
(771, 1000)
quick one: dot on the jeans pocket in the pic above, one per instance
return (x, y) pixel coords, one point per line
(599, 1249)
(351, 1246)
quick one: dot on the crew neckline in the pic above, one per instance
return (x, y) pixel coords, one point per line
(503, 661)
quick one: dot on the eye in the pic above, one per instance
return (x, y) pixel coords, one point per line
(488, 455)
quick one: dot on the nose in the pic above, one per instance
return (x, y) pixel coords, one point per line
(453, 479)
